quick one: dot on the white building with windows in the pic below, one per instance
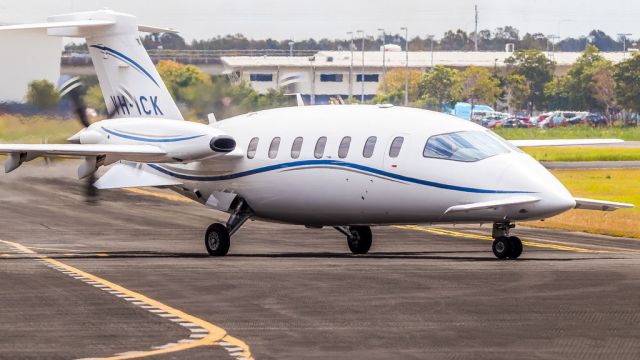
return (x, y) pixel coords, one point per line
(337, 74)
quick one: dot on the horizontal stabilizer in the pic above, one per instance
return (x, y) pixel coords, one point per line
(564, 142)
(590, 204)
(59, 24)
(82, 24)
(131, 175)
(494, 204)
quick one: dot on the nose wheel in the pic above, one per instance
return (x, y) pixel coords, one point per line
(505, 246)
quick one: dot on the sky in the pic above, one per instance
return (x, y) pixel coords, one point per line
(301, 19)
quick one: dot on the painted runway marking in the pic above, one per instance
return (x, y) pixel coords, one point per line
(206, 334)
(443, 232)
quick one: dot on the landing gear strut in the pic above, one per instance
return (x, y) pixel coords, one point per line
(505, 246)
(359, 238)
(217, 239)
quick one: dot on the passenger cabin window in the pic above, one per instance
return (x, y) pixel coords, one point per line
(343, 150)
(296, 148)
(467, 146)
(331, 77)
(396, 146)
(369, 146)
(253, 146)
(273, 148)
(261, 77)
(320, 145)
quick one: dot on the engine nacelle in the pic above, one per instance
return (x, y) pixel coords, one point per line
(183, 141)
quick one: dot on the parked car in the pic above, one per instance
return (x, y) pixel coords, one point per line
(596, 120)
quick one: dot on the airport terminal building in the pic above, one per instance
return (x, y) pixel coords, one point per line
(343, 74)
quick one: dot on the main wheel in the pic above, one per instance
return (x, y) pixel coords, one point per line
(217, 240)
(360, 239)
(516, 247)
(501, 247)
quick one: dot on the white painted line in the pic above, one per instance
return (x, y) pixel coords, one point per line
(199, 330)
(185, 324)
(198, 336)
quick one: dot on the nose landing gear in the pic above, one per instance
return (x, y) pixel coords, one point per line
(505, 246)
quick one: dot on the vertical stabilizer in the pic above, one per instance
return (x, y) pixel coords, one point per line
(128, 78)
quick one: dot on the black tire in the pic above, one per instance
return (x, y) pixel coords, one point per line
(501, 247)
(360, 239)
(516, 247)
(217, 240)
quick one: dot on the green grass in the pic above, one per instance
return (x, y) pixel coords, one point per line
(571, 132)
(612, 185)
(583, 154)
(36, 129)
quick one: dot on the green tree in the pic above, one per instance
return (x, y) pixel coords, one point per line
(603, 88)
(579, 84)
(627, 79)
(478, 85)
(394, 82)
(42, 94)
(94, 99)
(440, 86)
(517, 91)
(178, 78)
(538, 71)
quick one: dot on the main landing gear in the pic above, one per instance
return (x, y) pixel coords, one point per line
(358, 238)
(217, 239)
(505, 246)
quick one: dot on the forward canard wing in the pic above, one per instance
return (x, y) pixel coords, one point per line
(590, 204)
(494, 204)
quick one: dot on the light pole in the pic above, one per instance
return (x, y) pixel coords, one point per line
(351, 67)
(384, 61)
(552, 37)
(362, 74)
(430, 37)
(624, 42)
(406, 65)
(291, 43)
(313, 80)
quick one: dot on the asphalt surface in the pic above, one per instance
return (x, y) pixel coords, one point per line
(81, 280)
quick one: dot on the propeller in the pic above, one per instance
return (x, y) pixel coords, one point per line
(73, 89)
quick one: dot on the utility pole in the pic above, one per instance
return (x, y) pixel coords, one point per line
(475, 36)
(406, 65)
(553, 44)
(384, 61)
(291, 43)
(351, 45)
(430, 37)
(624, 42)
(362, 74)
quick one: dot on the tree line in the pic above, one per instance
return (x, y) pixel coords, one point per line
(452, 40)
(527, 84)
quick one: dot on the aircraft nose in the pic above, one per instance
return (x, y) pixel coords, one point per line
(530, 176)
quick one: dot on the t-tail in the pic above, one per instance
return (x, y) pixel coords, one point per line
(128, 78)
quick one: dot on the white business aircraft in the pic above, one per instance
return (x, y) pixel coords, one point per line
(348, 167)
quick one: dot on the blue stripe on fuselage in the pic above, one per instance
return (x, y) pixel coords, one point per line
(337, 164)
(138, 138)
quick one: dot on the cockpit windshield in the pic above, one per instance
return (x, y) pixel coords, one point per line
(465, 146)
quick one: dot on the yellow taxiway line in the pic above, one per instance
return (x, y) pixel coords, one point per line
(167, 196)
(209, 335)
(444, 232)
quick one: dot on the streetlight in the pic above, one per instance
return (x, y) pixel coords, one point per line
(362, 74)
(430, 37)
(552, 37)
(406, 65)
(351, 45)
(624, 42)
(384, 61)
(291, 43)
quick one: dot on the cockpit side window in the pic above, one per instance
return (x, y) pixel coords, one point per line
(467, 146)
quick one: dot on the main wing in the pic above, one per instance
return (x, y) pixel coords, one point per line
(564, 142)
(494, 204)
(21, 153)
(590, 204)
